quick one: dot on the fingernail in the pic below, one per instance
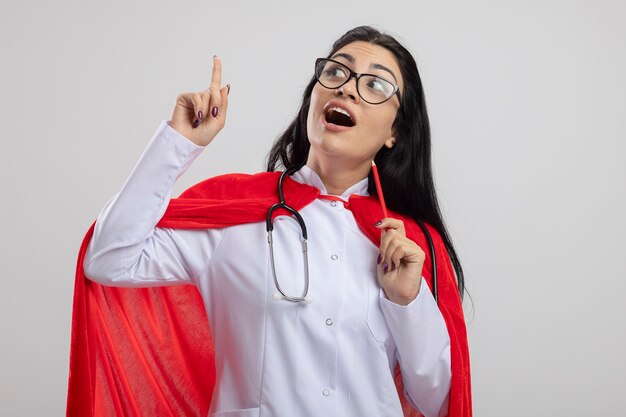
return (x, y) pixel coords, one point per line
(378, 223)
(214, 56)
(380, 258)
(228, 86)
(385, 268)
(196, 123)
(214, 111)
(200, 115)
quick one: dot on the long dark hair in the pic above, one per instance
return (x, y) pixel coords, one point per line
(405, 169)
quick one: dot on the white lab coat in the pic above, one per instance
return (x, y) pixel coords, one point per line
(333, 357)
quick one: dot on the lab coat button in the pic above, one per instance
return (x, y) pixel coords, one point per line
(334, 257)
(326, 393)
(333, 203)
(329, 322)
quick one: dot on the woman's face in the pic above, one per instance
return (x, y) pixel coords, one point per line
(354, 145)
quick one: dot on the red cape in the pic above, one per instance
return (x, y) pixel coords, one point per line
(148, 351)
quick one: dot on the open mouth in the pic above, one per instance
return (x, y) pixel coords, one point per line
(339, 117)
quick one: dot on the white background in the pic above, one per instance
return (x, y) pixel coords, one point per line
(526, 102)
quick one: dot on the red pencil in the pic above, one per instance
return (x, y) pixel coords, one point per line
(379, 189)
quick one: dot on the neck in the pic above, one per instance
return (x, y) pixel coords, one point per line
(339, 176)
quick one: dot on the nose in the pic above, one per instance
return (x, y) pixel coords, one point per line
(349, 90)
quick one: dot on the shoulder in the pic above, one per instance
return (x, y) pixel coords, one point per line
(367, 210)
(423, 233)
(231, 185)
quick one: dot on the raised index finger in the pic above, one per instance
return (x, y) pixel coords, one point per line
(216, 75)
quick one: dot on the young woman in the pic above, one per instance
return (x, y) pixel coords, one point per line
(319, 330)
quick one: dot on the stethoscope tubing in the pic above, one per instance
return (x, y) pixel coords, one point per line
(270, 228)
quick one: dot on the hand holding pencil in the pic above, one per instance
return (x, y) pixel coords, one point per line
(401, 260)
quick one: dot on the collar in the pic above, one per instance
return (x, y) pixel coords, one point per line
(306, 175)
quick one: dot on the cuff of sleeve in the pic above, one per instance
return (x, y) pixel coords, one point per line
(186, 150)
(413, 306)
(174, 135)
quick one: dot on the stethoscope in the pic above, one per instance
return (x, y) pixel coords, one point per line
(304, 297)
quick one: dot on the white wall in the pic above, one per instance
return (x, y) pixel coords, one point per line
(527, 110)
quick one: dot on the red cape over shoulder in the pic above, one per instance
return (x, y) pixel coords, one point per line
(148, 351)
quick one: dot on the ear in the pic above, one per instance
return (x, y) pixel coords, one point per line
(390, 142)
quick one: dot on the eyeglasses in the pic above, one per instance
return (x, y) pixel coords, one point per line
(371, 88)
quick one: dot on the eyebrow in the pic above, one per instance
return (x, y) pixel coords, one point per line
(350, 59)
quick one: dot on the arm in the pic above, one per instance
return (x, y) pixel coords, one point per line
(423, 350)
(126, 249)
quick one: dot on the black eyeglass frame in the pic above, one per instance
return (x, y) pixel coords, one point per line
(356, 76)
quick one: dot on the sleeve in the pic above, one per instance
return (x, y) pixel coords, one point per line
(126, 249)
(423, 350)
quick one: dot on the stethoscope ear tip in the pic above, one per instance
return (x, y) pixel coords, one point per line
(277, 297)
(308, 300)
